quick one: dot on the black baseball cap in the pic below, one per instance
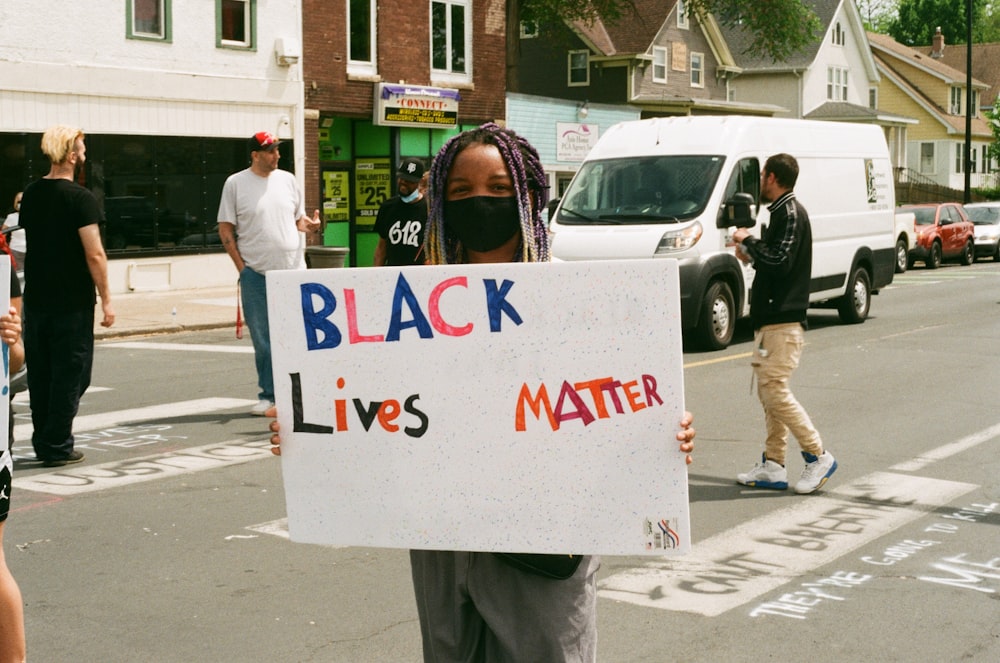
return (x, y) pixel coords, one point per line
(410, 169)
(263, 140)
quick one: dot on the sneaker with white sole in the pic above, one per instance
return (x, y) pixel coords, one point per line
(262, 406)
(817, 470)
(765, 474)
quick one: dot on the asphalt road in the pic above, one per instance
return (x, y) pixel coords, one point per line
(168, 543)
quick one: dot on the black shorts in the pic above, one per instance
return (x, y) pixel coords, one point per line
(6, 468)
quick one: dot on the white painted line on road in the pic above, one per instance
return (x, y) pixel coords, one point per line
(183, 347)
(76, 479)
(740, 564)
(23, 396)
(948, 450)
(151, 413)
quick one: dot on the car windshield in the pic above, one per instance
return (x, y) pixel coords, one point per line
(924, 215)
(660, 189)
(984, 216)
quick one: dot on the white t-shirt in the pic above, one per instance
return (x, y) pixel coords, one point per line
(264, 211)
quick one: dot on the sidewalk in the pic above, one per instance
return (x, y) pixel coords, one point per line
(142, 313)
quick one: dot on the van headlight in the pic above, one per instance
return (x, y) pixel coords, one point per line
(679, 240)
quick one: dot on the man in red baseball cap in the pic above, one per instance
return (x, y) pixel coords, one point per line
(262, 219)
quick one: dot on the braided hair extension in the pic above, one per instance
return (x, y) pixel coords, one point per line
(530, 189)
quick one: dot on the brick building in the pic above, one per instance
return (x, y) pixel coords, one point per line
(386, 80)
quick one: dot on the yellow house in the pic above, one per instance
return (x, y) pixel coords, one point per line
(915, 84)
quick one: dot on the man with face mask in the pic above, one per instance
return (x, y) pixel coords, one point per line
(61, 219)
(401, 219)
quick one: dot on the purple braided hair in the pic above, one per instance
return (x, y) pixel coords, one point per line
(530, 189)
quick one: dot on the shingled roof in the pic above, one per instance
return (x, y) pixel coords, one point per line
(985, 65)
(631, 35)
(740, 40)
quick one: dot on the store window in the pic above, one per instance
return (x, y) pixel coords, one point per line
(235, 23)
(159, 194)
(148, 19)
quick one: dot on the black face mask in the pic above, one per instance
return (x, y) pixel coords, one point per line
(482, 223)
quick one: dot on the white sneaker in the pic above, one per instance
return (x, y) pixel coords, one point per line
(261, 407)
(766, 474)
(817, 470)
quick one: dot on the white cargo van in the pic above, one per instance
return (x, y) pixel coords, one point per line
(667, 188)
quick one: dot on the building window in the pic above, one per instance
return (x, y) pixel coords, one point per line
(697, 70)
(148, 19)
(958, 157)
(873, 97)
(837, 34)
(927, 158)
(659, 64)
(529, 29)
(450, 38)
(973, 157)
(975, 102)
(836, 84)
(579, 68)
(235, 23)
(682, 17)
(361, 35)
(955, 108)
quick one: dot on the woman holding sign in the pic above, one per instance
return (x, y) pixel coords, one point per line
(487, 189)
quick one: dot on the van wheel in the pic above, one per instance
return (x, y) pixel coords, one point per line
(853, 306)
(901, 253)
(968, 253)
(718, 317)
(934, 257)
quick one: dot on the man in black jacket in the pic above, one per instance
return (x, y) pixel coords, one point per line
(779, 297)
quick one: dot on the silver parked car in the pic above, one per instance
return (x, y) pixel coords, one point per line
(986, 217)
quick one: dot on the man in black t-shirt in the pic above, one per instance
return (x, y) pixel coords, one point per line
(401, 219)
(61, 219)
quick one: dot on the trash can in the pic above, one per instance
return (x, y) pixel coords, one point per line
(323, 257)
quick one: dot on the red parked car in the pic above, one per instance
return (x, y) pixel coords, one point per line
(943, 232)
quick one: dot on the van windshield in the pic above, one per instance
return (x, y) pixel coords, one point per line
(659, 189)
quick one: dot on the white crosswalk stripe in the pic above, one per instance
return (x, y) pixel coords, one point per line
(151, 413)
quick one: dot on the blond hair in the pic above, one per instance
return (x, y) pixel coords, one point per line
(59, 141)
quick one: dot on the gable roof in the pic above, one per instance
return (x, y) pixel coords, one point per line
(632, 34)
(889, 48)
(953, 124)
(740, 40)
(985, 65)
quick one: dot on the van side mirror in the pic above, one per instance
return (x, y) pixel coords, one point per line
(737, 211)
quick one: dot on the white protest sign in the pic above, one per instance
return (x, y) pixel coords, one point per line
(504, 407)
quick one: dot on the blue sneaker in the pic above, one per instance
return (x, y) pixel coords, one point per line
(817, 470)
(766, 474)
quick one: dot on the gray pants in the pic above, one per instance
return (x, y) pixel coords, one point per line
(475, 608)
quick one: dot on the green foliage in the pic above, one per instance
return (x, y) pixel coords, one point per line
(917, 20)
(877, 15)
(785, 26)
(993, 117)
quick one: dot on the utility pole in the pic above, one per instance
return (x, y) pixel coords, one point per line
(969, 110)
